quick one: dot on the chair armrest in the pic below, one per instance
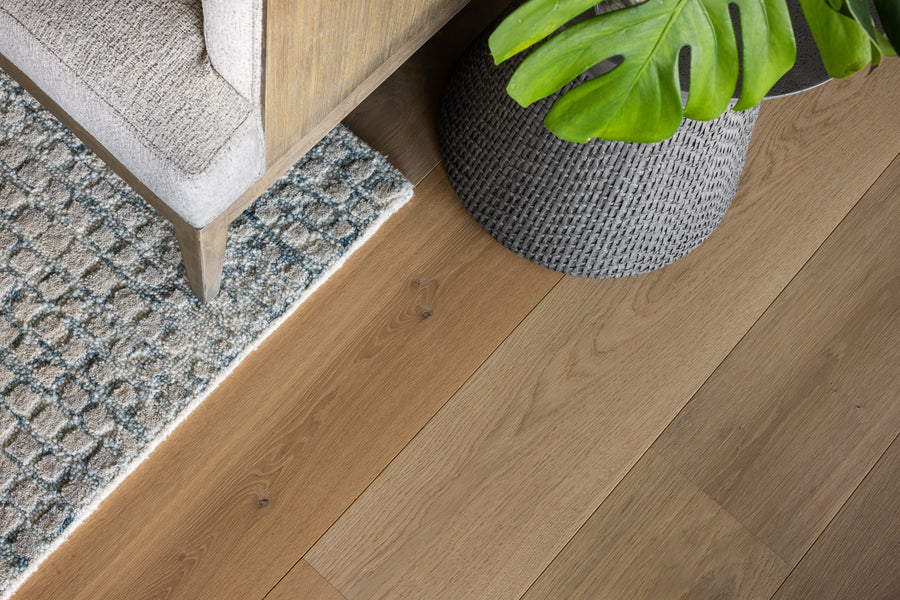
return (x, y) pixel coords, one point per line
(233, 34)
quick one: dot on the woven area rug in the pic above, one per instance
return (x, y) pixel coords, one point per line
(103, 348)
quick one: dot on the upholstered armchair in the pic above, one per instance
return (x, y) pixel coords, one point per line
(169, 89)
(200, 106)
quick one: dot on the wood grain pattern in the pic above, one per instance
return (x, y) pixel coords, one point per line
(222, 512)
(659, 536)
(303, 583)
(780, 421)
(858, 556)
(203, 254)
(786, 428)
(320, 54)
(228, 504)
(398, 115)
(400, 120)
(500, 480)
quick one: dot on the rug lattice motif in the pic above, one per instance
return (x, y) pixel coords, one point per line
(102, 345)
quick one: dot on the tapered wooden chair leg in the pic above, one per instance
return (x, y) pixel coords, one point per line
(203, 251)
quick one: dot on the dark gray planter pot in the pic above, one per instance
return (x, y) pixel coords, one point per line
(601, 209)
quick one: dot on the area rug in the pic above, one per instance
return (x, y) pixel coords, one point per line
(103, 347)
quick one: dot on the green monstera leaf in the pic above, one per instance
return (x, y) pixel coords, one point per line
(843, 43)
(889, 12)
(862, 12)
(846, 35)
(640, 99)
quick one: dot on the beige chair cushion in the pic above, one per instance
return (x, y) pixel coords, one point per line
(137, 76)
(233, 44)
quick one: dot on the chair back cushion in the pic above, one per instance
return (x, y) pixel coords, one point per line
(147, 61)
(233, 33)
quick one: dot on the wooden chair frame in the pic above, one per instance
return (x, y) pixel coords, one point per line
(320, 60)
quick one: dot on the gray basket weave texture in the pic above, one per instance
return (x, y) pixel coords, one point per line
(601, 209)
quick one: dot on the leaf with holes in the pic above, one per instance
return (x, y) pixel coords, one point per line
(640, 99)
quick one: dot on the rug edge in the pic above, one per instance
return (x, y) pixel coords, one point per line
(407, 193)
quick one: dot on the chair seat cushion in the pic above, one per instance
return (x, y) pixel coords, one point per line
(146, 60)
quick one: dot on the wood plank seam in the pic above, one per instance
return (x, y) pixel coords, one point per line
(836, 515)
(685, 475)
(851, 199)
(300, 558)
(779, 295)
(399, 309)
(749, 531)
(284, 576)
(425, 176)
(437, 412)
(297, 514)
(681, 472)
(671, 500)
(613, 494)
(421, 140)
(337, 593)
(858, 556)
(882, 190)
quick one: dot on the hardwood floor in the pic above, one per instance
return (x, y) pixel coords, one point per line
(658, 535)
(773, 444)
(532, 444)
(304, 583)
(858, 554)
(782, 446)
(443, 419)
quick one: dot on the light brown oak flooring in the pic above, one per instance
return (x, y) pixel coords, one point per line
(443, 419)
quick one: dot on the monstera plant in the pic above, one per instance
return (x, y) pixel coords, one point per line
(639, 100)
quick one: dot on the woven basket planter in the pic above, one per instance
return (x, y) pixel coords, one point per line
(601, 209)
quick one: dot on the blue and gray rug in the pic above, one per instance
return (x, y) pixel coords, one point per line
(103, 348)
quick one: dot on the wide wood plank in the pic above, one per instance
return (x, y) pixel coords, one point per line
(787, 427)
(303, 583)
(858, 556)
(659, 536)
(500, 480)
(234, 497)
(809, 442)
